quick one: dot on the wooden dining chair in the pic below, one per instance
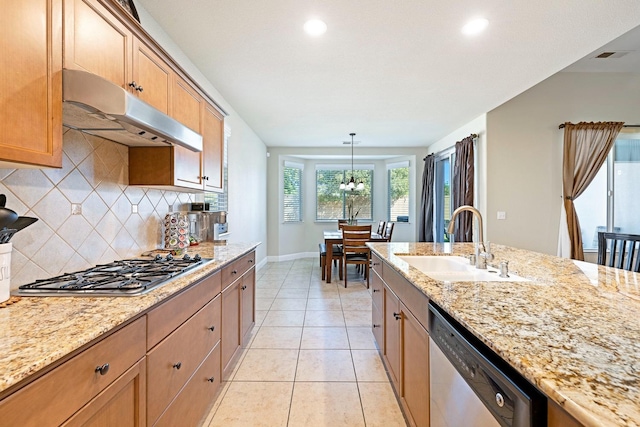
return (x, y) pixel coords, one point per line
(337, 257)
(342, 222)
(354, 248)
(380, 229)
(388, 231)
(624, 250)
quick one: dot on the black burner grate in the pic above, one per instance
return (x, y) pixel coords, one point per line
(125, 277)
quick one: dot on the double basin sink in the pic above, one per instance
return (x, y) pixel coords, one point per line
(456, 269)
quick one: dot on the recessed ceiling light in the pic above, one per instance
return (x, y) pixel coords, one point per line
(315, 27)
(475, 26)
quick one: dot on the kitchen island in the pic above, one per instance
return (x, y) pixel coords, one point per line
(45, 341)
(573, 330)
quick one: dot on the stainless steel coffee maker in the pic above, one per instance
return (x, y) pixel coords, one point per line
(205, 226)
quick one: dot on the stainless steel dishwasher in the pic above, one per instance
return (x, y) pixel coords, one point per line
(471, 386)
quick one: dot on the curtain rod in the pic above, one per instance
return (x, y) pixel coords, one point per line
(473, 136)
(624, 126)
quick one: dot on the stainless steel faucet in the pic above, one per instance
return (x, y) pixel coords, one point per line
(482, 254)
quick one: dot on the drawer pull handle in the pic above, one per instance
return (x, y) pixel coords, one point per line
(103, 369)
(178, 365)
(376, 290)
(234, 272)
(212, 379)
(376, 326)
(397, 316)
(244, 287)
(250, 261)
(211, 328)
(376, 263)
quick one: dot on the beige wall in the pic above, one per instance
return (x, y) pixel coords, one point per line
(297, 239)
(247, 155)
(524, 150)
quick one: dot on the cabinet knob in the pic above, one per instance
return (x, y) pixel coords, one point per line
(212, 328)
(102, 369)
(234, 272)
(376, 326)
(244, 287)
(376, 290)
(178, 365)
(250, 261)
(134, 85)
(397, 316)
(376, 263)
(139, 89)
(212, 379)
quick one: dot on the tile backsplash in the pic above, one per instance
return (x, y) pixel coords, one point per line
(110, 219)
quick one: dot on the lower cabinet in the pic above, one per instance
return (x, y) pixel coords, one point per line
(121, 404)
(197, 395)
(238, 316)
(403, 342)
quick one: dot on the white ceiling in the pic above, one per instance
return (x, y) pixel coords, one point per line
(398, 73)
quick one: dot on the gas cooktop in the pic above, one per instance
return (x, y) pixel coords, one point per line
(127, 277)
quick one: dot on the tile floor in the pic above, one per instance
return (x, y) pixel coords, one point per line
(312, 360)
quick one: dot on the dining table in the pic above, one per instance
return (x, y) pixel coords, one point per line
(334, 237)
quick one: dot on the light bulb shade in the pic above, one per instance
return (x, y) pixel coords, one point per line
(351, 185)
(342, 186)
(360, 186)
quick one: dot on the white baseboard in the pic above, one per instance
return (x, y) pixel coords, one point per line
(291, 257)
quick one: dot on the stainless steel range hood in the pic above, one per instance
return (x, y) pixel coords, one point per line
(98, 107)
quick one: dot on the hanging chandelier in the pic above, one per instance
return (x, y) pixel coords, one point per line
(351, 185)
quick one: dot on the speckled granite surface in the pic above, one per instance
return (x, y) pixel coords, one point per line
(37, 331)
(573, 331)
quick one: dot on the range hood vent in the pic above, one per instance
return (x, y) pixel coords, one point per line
(98, 107)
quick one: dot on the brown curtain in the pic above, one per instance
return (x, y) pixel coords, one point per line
(586, 146)
(425, 222)
(462, 188)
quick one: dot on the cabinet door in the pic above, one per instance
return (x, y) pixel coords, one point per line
(187, 108)
(120, 404)
(31, 82)
(415, 369)
(248, 304)
(213, 148)
(230, 340)
(97, 42)
(377, 322)
(392, 327)
(152, 76)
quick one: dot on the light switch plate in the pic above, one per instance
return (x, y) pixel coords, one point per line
(502, 215)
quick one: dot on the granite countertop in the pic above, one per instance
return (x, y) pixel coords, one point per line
(573, 331)
(37, 331)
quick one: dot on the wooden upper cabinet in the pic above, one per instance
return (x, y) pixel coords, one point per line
(152, 77)
(213, 151)
(97, 42)
(31, 82)
(187, 109)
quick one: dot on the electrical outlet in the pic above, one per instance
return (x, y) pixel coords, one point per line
(134, 208)
(76, 209)
(502, 215)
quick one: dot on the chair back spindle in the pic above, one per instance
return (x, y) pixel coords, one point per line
(623, 249)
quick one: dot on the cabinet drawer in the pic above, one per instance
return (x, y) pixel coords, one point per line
(190, 406)
(376, 263)
(161, 321)
(377, 285)
(377, 324)
(76, 381)
(237, 268)
(414, 299)
(173, 361)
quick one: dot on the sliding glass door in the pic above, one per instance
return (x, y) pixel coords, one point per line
(444, 202)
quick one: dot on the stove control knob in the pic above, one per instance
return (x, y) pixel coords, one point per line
(158, 257)
(197, 257)
(186, 257)
(169, 257)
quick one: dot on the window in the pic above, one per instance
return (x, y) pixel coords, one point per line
(611, 202)
(444, 202)
(292, 189)
(331, 202)
(398, 197)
